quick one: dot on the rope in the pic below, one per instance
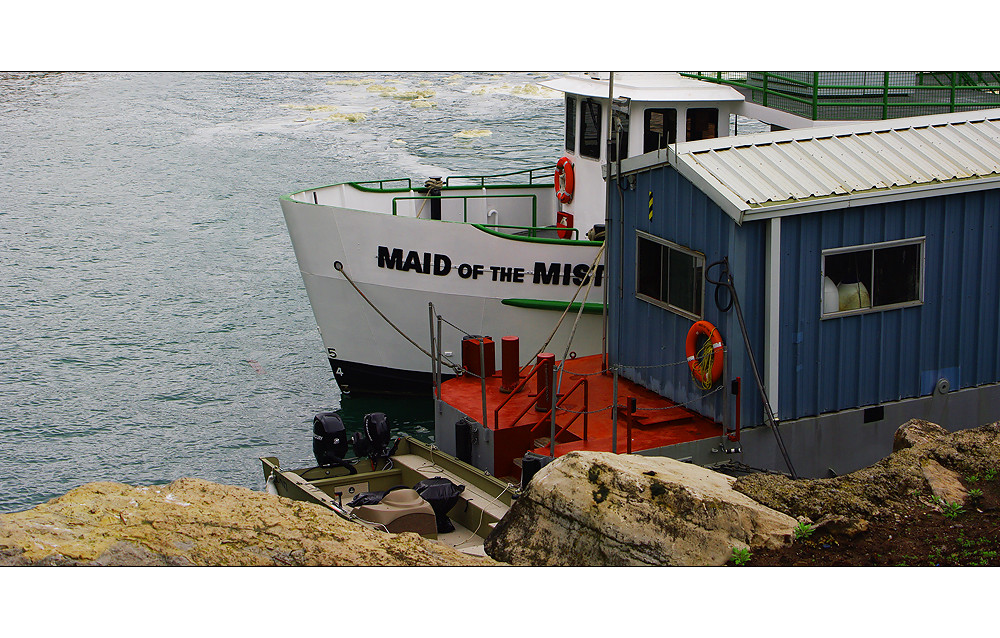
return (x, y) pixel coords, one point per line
(429, 185)
(579, 313)
(706, 356)
(593, 267)
(340, 268)
(482, 513)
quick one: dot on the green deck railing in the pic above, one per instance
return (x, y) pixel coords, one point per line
(382, 182)
(465, 202)
(838, 95)
(533, 174)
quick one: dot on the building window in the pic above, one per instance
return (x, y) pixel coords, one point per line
(669, 276)
(873, 277)
(659, 128)
(702, 124)
(590, 129)
(571, 123)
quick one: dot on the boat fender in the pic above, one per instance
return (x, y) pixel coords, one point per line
(565, 180)
(705, 377)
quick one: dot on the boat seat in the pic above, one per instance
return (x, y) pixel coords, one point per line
(401, 511)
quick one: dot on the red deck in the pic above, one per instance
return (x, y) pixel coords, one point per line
(656, 421)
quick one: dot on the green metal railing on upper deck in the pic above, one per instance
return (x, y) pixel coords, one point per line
(855, 95)
(533, 174)
(382, 182)
(536, 177)
(465, 203)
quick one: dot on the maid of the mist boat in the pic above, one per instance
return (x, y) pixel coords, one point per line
(495, 255)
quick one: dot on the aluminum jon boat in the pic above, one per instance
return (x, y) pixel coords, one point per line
(401, 486)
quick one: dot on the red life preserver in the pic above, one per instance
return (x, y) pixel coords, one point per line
(710, 331)
(564, 168)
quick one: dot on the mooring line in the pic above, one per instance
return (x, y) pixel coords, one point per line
(340, 268)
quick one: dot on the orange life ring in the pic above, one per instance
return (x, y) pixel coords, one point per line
(710, 331)
(564, 169)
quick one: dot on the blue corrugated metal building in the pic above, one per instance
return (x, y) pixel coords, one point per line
(865, 258)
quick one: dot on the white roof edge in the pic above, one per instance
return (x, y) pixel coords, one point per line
(651, 87)
(868, 198)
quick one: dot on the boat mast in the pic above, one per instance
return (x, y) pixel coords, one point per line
(607, 218)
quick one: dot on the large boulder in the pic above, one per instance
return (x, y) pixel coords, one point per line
(195, 522)
(597, 508)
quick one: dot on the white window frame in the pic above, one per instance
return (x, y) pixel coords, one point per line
(699, 257)
(918, 241)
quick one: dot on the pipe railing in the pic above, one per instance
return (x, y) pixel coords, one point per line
(586, 405)
(518, 388)
(482, 178)
(465, 202)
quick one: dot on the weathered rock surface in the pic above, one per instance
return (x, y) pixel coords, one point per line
(195, 522)
(593, 508)
(928, 460)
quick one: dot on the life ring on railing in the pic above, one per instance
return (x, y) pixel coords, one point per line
(565, 180)
(706, 377)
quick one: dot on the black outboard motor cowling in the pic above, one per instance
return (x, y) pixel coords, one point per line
(330, 440)
(374, 442)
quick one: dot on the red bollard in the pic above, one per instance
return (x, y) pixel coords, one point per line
(510, 362)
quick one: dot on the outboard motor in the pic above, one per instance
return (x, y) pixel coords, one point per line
(374, 442)
(330, 440)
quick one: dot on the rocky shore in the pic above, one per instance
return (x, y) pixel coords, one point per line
(583, 509)
(195, 522)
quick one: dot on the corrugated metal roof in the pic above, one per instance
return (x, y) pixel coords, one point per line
(804, 170)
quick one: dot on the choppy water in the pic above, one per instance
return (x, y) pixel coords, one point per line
(153, 323)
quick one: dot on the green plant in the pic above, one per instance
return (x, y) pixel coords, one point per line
(990, 474)
(741, 556)
(972, 478)
(951, 510)
(975, 494)
(803, 531)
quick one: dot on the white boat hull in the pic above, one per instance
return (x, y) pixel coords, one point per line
(401, 264)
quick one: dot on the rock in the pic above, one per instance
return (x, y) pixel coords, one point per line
(944, 484)
(195, 522)
(917, 432)
(894, 483)
(597, 508)
(838, 526)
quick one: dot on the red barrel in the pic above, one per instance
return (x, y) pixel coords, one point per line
(470, 356)
(510, 361)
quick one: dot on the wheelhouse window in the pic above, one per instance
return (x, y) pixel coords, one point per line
(669, 275)
(659, 129)
(590, 129)
(571, 123)
(873, 277)
(702, 124)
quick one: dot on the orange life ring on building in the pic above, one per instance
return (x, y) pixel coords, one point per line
(564, 169)
(705, 377)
